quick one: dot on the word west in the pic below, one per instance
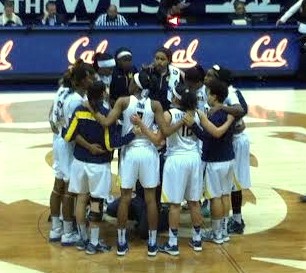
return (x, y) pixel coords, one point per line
(264, 56)
(4, 53)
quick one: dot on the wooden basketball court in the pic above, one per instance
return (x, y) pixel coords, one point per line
(275, 234)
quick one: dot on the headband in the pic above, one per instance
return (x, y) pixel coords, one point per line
(106, 63)
(137, 81)
(124, 53)
(177, 95)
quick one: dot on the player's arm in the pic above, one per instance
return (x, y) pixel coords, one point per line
(113, 138)
(72, 129)
(93, 148)
(52, 124)
(235, 110)
(211, 129)
(165, 128)
(112, 116)
(155, 137)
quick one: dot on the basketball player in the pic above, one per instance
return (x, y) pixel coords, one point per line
(56, 118)
(81, 78)
(218, 154)
(235, 105)
(92, 172)
(183, 165)
(139, 159)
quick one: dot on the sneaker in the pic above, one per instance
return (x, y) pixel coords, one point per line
(208, 235)
(122, 249)
(152, 250)
(234, 227)
(196, 245)
(55, 235)
(100, 247)
(81, 244)
(70, 239)
(172, 250)
(226, 237)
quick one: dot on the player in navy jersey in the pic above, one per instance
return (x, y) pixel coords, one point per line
(139, 160)
(235, 105)
(90, 171)
(218, 155)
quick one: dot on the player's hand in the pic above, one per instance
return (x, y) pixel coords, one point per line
(96, 149)
(136, 120)
(230, 118)
(188, 119)
(137, 131)
(87, 105)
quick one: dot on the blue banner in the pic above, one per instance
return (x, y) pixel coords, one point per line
(247, 51)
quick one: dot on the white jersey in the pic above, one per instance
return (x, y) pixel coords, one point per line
(57, 114)
(183, 140)
(143, 108)
(70, 104)
(232, 99)
(202, 99)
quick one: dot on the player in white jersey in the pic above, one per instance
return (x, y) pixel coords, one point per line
(236, 105)
(139, 159)
(56, 118)
(81, 77)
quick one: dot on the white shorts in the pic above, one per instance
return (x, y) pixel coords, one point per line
(242, 162)
(182, 179)
(218, 178)
(139, 163)
(90, 178)
(63, 152)
(56, 154)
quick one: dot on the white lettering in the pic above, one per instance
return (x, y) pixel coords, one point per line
(124, 9)
(91, 5)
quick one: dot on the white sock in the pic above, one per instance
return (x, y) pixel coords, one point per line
(94, 235)
(152, 237)
(56, 222)
(68, 227)
(83, 232)
(173, 237)
(196, 234)
(216, 226)
(237, 217)
(121, 236)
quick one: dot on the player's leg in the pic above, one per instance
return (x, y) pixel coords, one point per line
(99, 178)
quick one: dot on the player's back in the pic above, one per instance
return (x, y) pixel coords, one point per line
(182, 141)
(143, 108)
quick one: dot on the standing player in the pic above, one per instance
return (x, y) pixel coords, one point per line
(235, 105)
(139, 159)
(91, 173)
(183, 176)
(56, 118)
(81, 77)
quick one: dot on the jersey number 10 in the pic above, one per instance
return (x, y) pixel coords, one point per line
(186, 131)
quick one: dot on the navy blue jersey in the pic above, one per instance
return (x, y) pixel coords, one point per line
(216, 149)
(83, 123)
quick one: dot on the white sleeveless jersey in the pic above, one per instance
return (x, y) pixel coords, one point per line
(57, 115)
(202, 99)
(70, 104)
(232, 99)
(182, 141)
(143, 108)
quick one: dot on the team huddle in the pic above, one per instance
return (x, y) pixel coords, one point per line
(191, 119)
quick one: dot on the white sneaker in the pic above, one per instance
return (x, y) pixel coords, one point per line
(226, 237)
(55, 234)
(208, 235)
(69, 239)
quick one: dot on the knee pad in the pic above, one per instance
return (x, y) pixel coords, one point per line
(96, 216)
